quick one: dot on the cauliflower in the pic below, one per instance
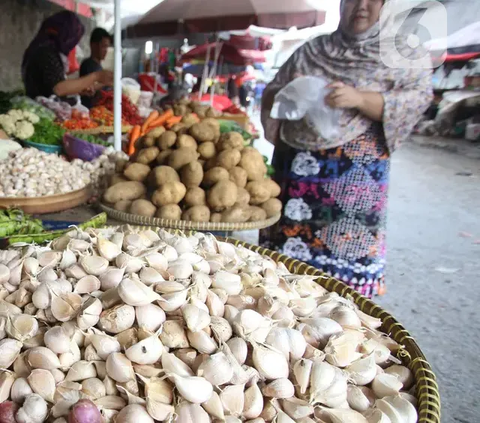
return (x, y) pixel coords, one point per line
(24, 130)
(31, 117)
(7, 123)
(16, 114)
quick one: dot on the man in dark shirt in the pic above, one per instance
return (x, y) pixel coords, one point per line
(100, 41)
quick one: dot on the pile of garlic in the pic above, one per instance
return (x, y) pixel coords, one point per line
(156, 327)
(29, 172)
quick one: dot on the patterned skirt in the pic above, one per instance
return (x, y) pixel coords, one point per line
(335, 210)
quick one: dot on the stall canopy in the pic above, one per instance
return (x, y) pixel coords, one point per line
(172, 17)
(464, 41)
(228, 54)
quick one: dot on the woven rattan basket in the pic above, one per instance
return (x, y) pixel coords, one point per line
(183, 225)
(427, 392)
(103, 130)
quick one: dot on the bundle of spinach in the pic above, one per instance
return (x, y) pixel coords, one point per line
(47, 132)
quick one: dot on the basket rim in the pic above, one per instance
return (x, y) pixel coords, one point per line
(426, 387)
(186, 225)
(48, 197)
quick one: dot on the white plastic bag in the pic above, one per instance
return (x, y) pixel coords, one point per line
(131, 89)
(304, 97)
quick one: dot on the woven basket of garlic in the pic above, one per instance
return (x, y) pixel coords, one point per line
(132, 325)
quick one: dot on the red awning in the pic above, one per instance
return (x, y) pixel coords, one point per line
(229, 54)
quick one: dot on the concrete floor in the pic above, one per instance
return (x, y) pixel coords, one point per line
(433, 262)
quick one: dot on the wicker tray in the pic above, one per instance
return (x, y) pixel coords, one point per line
(49, 204)
(102, 130)
(427, 393)
(185, 225)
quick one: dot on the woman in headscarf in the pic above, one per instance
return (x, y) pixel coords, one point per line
(335, 192)
(45, 60)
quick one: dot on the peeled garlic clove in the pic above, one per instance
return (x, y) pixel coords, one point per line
(150, 317)
(107, 249)
(159, 410)
(42, 383)
(386, 385)
(203, 343)
(214, 407)
(338, 415)
(328, 385)
(117, 319)
(81, 370)
(94, 265)
(87, 285)
(57, 340)
(157, 261)
(362, 371)
(194, 389)
(195, 318)
(66, 306)
(227, 281)
(150, 276)
(279, 389)
(360, 398)
(173, 335)
(216, 369)
(20, 390)
(269, 363)
(94, 388)
(376, 416)
(233, 399)
(403, 374)
(6, 382)
(214, 304)
(147, 351)
(41, 358)
(302, 370)
(135, 293)
(239, 349)
(119, 368)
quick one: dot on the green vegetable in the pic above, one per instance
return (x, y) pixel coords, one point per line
(232, 126)
(5, 98)
(15, 222)
(92, 139)
(46, 132)
(95, 222)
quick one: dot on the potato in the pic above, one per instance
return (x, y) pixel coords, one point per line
(195, 196)
(179, 128)
(130, 190)
(237, 214)
(117, 178)
(197, 214)
(189, 119)
(222, 195)
(243, 197)
(123, 205)
(163, 156)
(216, 217)
(215, 175)
(275, 189)
(186, 141)
(162, 175)
(149, 141)
(228, 159)
(239, 176)
(272, 207)
(259, 192)
(170, 211)
(215, 125)
(192, 174)
(120, 165)
(182, 157)
(210, 163)
(167, 140)
(180, 109)
(202, 132)
(207, 150)
(147, 155)
(143, 208)
(230, 140)
(156, 132)
(252, 162)
(136, 172)
(170, 193)
(257, 214)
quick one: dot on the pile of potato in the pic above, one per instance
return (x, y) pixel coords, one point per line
(194, 173)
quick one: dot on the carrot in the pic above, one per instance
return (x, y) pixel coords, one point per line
(149, 120)
(134, 136)
(173, 121)
(160, 120)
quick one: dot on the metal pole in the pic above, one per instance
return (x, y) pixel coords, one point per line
(117, 80)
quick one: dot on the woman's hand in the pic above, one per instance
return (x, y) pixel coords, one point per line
(344, 97)
(104, 77)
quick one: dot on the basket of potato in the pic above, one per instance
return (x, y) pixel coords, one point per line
(194, 177)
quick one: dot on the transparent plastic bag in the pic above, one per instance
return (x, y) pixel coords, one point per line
(62, 110)
(304, 98)
(26, 103)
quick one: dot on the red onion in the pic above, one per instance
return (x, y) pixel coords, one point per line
(7, 411)
(84, 411)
